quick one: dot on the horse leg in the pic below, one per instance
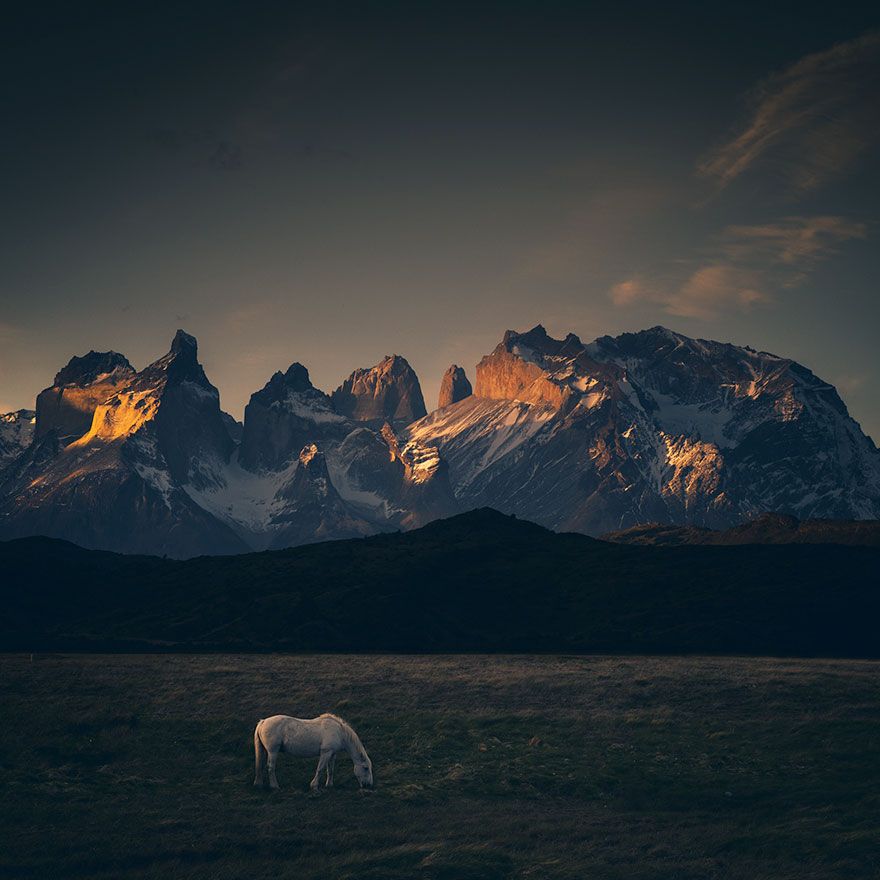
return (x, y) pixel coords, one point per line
(331, 766)
(273, 779)
(259, 758)
(322, 763)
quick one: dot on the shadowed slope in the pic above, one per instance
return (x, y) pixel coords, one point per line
(478, 581)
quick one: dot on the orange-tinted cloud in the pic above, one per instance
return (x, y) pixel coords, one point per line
(706, 292)
(744, 267)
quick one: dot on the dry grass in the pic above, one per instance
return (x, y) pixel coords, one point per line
(487, 767)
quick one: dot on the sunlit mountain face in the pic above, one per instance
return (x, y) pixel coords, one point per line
(347, 204)
(330, 183)
(644, 427)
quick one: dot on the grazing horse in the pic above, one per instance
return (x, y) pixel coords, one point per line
(322, 737)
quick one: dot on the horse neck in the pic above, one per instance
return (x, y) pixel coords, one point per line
(353, 743)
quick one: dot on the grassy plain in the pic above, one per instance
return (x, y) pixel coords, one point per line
(486, 767)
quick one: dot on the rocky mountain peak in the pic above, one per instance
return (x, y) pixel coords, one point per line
(67, 406)
(294, 381)
(454, 387)
(533, 367)
(169, 415)
(181, 364)
(283, 416)
(297, 378)
(311, 484)
(92, 367)
(184, 343)
(388, 391)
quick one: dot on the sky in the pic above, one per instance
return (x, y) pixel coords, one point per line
(330, 183)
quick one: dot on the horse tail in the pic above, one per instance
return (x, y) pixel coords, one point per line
(260, 753)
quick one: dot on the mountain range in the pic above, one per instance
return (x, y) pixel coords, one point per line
(648, 427)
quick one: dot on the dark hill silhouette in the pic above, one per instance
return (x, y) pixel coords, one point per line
(479, 581)
(769, 528)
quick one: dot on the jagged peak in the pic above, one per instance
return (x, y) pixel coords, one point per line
(388, 390)
(536, 335)
(454, 387)
(88, 368)
(297, 377)
(392, 363)
(295, 380)
(311, 484)
(181, 364)
(184, 342)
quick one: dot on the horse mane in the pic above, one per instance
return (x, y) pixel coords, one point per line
(349, 733)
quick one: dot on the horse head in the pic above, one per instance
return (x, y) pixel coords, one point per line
(363, 770)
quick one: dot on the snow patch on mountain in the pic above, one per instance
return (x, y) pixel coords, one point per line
(16, 434)
(246, 500)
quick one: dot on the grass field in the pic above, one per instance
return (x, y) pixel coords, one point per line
(486, 767)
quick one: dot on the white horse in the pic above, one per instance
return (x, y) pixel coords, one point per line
(322, 737)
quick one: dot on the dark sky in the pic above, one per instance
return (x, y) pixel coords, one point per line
(329, 183)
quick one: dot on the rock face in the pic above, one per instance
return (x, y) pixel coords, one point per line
(299, 453)
(284, 416)
(67, 407)
(390, 391)
(651, 427)
(453, 387)
(314, 510)
(120, 485)
(233, 427)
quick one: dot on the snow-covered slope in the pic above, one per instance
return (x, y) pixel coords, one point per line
(651, 427)
(16, 434)
(370, 482)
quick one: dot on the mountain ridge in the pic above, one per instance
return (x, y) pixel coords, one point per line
(478, 581)
(769, 528)
(593, 438)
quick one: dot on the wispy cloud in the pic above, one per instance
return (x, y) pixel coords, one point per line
(705, 292)
(792, 246)
(743, 266)
(810, 121)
